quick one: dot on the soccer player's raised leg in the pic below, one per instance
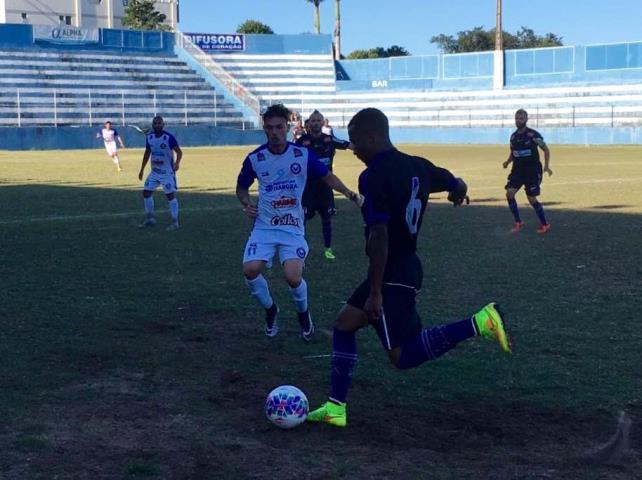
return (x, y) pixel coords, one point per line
(293, 271)
(260, 290)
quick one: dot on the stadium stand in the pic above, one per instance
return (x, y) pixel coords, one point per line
(75, 87)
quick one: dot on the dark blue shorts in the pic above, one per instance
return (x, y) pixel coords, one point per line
(530, 180)
(318, 197)
(400, 321)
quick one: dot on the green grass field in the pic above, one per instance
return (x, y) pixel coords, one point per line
(131, 353)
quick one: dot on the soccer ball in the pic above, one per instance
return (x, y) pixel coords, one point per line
(286, 406)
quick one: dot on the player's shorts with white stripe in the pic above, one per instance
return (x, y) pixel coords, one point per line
(400, 321)
(263, 244)
(166, 181)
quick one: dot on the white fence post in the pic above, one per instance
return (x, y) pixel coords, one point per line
(90, 107)
(55, 109)
(19, 111)
(185, 92)
(122, 106)
(215, 109)
(155, 108)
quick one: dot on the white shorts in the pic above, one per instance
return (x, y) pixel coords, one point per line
(111, 148)
(263, 245)
(167, 181)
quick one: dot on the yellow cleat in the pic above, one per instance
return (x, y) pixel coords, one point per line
(490, 323)
(330, 413)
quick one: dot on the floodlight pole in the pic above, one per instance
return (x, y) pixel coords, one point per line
(498, 58)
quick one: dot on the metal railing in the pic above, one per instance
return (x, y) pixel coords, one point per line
(92, 107)
(228, 81)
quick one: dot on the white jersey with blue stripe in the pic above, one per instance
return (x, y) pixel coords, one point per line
(162, 152)
(282, 179)
(109, 136)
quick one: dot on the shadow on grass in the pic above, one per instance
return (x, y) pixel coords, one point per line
(121, 344)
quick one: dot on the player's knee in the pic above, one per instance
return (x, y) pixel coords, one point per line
(251, 271)
(510, 195)
(170, 197)
(293, 279)
(532, 200)
(147, 193)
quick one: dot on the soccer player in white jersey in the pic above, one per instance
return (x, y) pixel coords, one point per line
(160, 146)
(281, 169)
(110, 137)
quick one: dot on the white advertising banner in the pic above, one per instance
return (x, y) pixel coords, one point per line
(65, 34)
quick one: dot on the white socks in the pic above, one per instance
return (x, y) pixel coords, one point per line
(300, 296)
(260, 290)
(149, 206)
(173, 208)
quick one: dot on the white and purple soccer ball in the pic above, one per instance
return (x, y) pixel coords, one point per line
(286, 406)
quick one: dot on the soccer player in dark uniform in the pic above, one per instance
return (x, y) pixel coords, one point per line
(527, 170)
(396, 187)
(317, 197)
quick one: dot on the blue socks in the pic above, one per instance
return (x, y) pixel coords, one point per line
(432, 343)
(512, 204)
(327, 234)
(259, 289)
(344, 360)
(300, 296)
(539, 210)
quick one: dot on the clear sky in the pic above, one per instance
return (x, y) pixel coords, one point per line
(411, 23)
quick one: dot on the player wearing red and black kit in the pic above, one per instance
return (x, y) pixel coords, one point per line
(526, 170)
(317, 197)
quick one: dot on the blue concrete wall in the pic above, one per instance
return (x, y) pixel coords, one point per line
(18, 36)
(500, 136)
(273, 44)
(543, 67)
(73, 138)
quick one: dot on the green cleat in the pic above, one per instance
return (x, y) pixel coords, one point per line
(330, 413)
(489, 323)
(329, 254)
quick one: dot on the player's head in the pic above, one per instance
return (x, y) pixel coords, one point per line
(275, 124)
(315, 122)
(158, 124)
(108, 125)
(369, 133)
(521, 118)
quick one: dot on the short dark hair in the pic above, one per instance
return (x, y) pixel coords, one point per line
(521, 110)
(277, 110)
(316, 112)
(370, 120)
(107, 122)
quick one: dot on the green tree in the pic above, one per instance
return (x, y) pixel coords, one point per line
(480, 40)
(142, 15)
(378, 52)
(254, 26)
(317, 15)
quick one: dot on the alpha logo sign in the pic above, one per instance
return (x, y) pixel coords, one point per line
(65, 34)
(218, 42)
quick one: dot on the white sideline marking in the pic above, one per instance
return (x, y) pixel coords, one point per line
(547, 184)
(97, 216)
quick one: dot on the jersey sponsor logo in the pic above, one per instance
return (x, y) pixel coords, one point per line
(285, 220)
(163, 145)
(522, 153)
(300, 252)
(284, 203)
(295, 168)
(251, 249)
(260, 157)
(297, 153)
(283, 185)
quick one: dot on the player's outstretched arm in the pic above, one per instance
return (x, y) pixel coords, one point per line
(336, 184)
